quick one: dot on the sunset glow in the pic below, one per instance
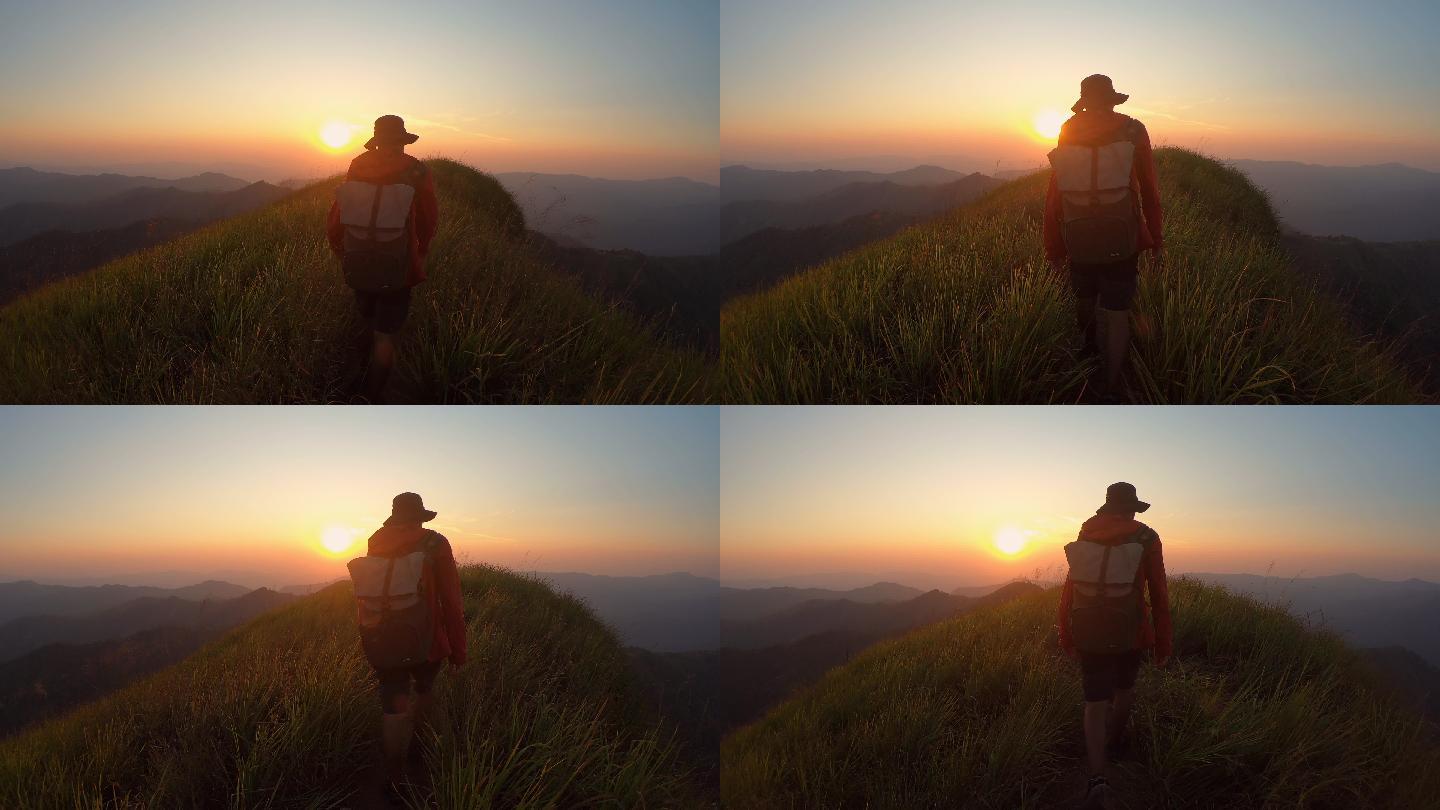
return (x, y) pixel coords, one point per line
(338, 539)
(1047, 124)
(1010, 540)
(337, 134)
(198, 489)
(275, 90)
(944, 497)
(968, 84)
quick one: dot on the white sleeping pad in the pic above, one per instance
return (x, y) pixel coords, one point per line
(1090, 568)
(357, 201)
(369, 576)
(1113, 162)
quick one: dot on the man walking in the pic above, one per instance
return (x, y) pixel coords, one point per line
(381, 224)
(1102, 208)
(1105, 622)
(408, 593)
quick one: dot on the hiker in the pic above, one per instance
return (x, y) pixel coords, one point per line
(1106, 623)
(407, 591)
(1101, 210)
(380, 225)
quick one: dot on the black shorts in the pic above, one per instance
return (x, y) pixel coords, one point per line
(396, 682)
(1114, 282)
(1102, 674)
(384, 311)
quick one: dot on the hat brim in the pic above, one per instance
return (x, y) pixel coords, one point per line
(407, 138)
(1115, 99)
(423, 516)
(1133, 506)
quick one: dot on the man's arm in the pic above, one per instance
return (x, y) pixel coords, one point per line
(447, 581)
(427, 212)
(1159, 602)
(1054, 238)
(334, 231)
(1067, 595)
(1149, 187)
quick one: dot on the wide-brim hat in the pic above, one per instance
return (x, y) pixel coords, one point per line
(390, 129)
(409, 508)
(1098, 89)
(1121, 497)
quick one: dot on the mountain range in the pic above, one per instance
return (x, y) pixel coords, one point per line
(665, 612)
(1366, 612)
(29, 598)
(20, 635)
(23, 184)
(742, 183)
(25, 219)
(673, 216)
(1389, 202)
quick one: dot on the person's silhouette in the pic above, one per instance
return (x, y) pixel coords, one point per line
(1101, 210)
(385, 164)
(1105, 623)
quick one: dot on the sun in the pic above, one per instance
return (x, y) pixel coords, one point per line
(338, 539)
(336, 134)
(1047, 124)
(1010, 540)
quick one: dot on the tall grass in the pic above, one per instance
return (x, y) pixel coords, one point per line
(1256, 711)
(964, 310)
(254, 310)
(283, 713)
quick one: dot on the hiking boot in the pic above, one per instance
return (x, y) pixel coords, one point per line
(1097, 794)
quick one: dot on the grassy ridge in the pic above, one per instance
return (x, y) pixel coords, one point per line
(253, 310)
(964, 310)
(1255, 712)
(283, 713)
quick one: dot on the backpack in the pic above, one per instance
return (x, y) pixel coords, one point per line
(1100, 215)
(377, 224)
(393, 605)
(1106, 608)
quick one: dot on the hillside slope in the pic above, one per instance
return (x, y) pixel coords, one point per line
(964, 309)
(253, 309)
(283, 712)
(984, 711)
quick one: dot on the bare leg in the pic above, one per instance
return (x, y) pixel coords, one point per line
(1120, 713)
(420, 714)
(1095, 735)
(1116, 331)
(1085, 319)
(382, 360)
(395, 731)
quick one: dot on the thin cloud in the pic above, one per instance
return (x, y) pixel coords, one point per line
(1179, 120)
(428, 122)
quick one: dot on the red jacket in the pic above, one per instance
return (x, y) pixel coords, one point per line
(1084, 126)
(376, 166)
(1110, 529)
(445, 606)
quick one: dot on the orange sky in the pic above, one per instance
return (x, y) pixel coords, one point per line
(922, 494)
(91, 492)
(1331, 82)
(548, 86)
